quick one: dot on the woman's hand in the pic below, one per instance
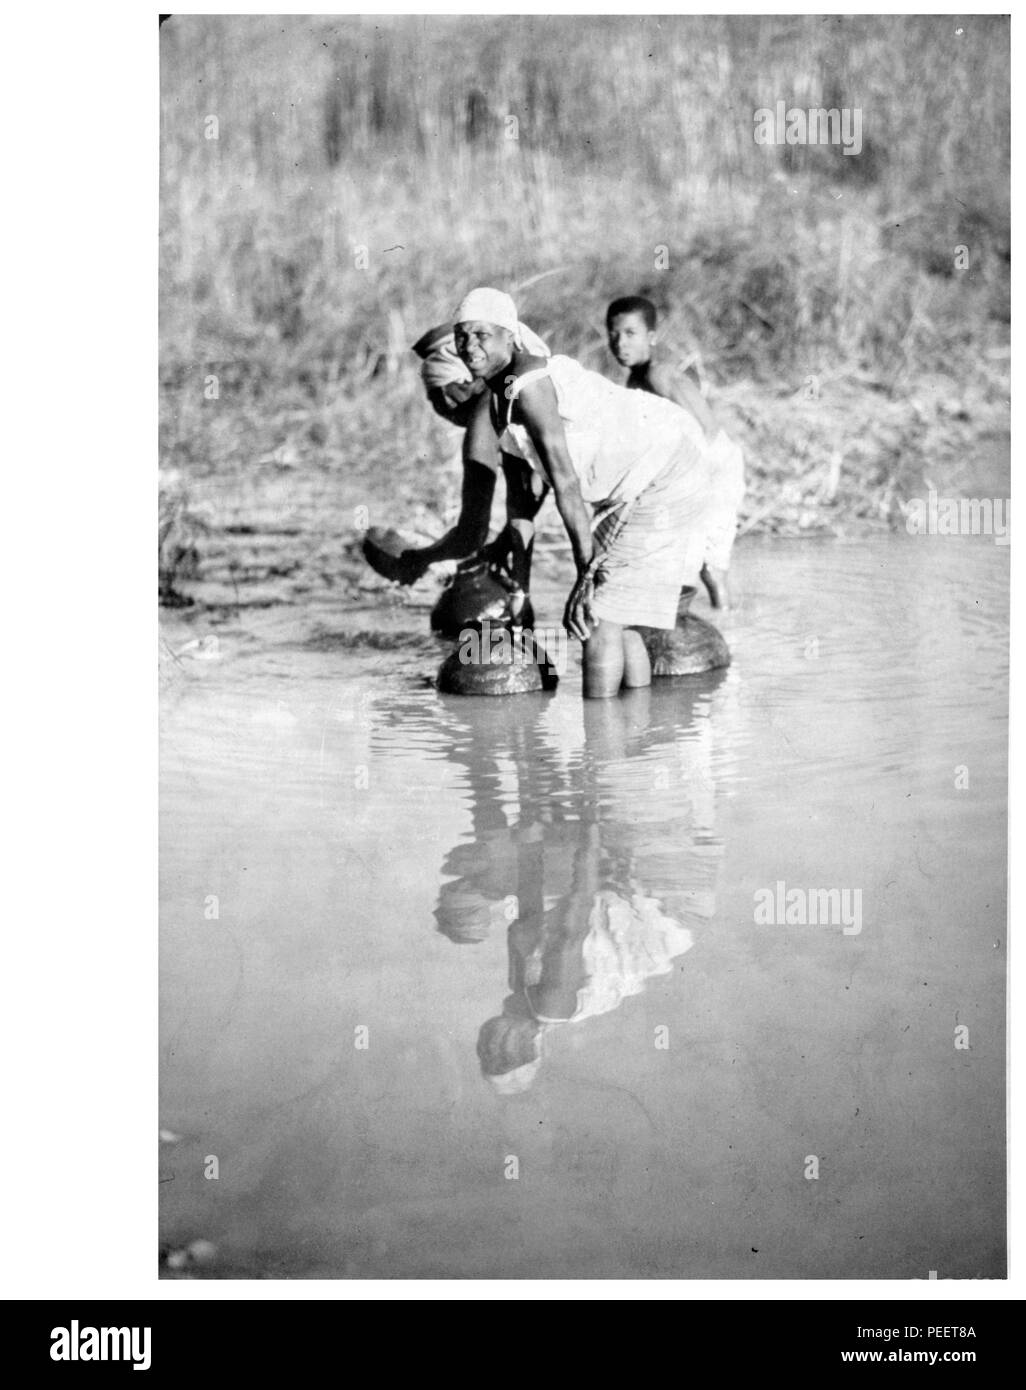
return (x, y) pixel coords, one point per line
(410, 567)
(578, 618)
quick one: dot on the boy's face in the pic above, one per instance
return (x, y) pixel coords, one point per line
(630, 339)
(484, 347)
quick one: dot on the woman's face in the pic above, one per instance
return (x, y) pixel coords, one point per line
(484, 347)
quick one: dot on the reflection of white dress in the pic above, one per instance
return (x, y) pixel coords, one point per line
(630, 940)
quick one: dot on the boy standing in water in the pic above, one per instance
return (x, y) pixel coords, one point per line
(631, 330)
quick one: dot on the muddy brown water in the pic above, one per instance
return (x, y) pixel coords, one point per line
(359, 874)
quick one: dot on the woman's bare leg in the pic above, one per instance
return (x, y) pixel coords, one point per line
(603, 661)
(637, 669)
(614, 658)
(715, 581)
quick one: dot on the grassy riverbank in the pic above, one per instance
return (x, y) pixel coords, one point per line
(364, 173)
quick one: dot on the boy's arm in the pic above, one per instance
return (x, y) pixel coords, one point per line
(677, 387)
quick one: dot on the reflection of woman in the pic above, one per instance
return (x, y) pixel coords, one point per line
(592, 915)
(597, 947)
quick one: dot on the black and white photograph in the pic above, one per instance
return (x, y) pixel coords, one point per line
(583, 594)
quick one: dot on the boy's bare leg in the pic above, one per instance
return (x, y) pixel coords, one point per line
(715, 581)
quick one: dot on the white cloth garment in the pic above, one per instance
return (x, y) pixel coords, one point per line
(642, 465)
(630, 940)
(618, 439)
(487, 306)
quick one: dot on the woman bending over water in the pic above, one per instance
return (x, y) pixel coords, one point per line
(463, 401)
(632, 462)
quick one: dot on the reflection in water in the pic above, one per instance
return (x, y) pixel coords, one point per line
(524, 876)
(561, 856)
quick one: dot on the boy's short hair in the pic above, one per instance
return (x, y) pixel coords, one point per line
(633, 304)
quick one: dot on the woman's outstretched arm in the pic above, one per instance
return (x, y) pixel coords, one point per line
(539, 412)
(467, 536)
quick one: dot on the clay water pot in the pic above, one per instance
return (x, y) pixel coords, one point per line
(491, 659)
(692, 647)
(475, 595)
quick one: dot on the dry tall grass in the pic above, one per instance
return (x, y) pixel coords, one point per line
(364, 176)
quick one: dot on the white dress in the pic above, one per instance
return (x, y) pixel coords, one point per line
(643, 465)
(619, 440)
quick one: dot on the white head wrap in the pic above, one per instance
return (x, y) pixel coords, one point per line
(493, 306)
(488, 306)
(442, 365)
(530, 341)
